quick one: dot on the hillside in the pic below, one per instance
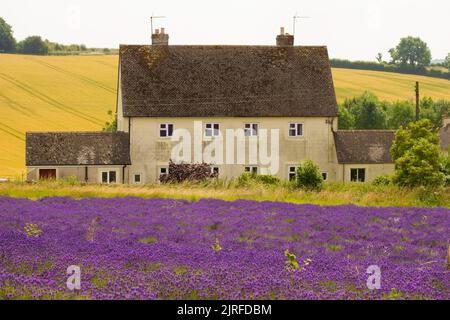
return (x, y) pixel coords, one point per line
(76, 92)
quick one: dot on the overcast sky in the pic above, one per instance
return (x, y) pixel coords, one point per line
(352, 29)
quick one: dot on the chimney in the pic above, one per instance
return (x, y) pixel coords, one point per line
(285, 39)
(160, 37)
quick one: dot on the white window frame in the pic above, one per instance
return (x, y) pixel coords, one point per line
(326, 175)
(251, 169)
(290, 172)
(165, 127)
(250, 130)
(140, 177)
(209, 128)
(357, 174)
(215, 167)
(108, 172)
(295, 126)
(160, 169)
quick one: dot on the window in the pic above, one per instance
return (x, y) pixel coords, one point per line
(325, 176)
(212, 130)
(215, 170)
(251, 169)
(108, 176)
(163, 170)
(295, 129)
(165, 130)
(292, 173)
(358, 175)
(137, 178)
(251, 129)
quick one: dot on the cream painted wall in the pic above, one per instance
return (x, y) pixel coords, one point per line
(149, 152)
(372, 171)
(78, 172)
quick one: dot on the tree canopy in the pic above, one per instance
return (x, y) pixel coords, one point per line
(416, 154)
(33, 45)
(411, 52)
(7, 41)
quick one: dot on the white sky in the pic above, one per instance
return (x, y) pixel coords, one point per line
(352, 29)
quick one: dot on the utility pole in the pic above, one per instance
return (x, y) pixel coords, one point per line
(417, 101)
(151, 20)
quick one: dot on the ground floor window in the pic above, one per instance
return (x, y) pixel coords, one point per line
(325, 176)
(215, 170)
(109, 176)
(163, 170)
(251, 169)
(137, 178)
(47, 174)
(358, 175)
(292, 173)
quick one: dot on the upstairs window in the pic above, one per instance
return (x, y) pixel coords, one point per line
(212, 130)
(251, 129)
(292, 173)
(295, 129)
(358, 175)
(165, 130)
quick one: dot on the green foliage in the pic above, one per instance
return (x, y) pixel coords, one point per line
(346, 118)
(7, 41)
(308, 176)
(383, 180)
(367, 111)
(400, 113)
(291, 263)
(216, 247)
(148, 240)
(111, 126)
(434, 111)
(447, 61)
(411, 52)
(415, 152)
(248, 179)
(33, 45)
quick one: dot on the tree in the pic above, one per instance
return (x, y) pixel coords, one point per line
(434, 110)
(416, 155)
(411, 52)
(346, 119)
(33, 45)
(400, 113)
(447, 61)
(7, 41)
(367, 111)
(308, 176)
(379, 57)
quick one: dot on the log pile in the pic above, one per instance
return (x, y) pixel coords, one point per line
(179, 172)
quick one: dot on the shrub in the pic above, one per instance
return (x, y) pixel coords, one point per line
(416, 155)
(179, 172)
(383, 180)
(247, 179)
(309, 177)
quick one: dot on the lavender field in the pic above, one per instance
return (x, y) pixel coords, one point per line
(133, 248)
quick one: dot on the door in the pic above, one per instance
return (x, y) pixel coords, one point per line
(46, 174)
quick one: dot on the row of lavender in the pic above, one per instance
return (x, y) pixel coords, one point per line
(134, 248)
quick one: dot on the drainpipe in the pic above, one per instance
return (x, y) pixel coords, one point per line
(123, 174)
(86, 176)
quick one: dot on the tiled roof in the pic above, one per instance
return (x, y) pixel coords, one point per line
(227, 81)
(77, 148)
(364, 146)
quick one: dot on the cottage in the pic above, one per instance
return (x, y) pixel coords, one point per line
(241, 94)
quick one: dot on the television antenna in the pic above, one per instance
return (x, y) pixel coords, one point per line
(294, 19)
(154, 17)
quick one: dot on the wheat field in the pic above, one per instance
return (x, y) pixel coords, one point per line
(54, 93)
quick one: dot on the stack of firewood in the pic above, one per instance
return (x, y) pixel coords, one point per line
(179, 172)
